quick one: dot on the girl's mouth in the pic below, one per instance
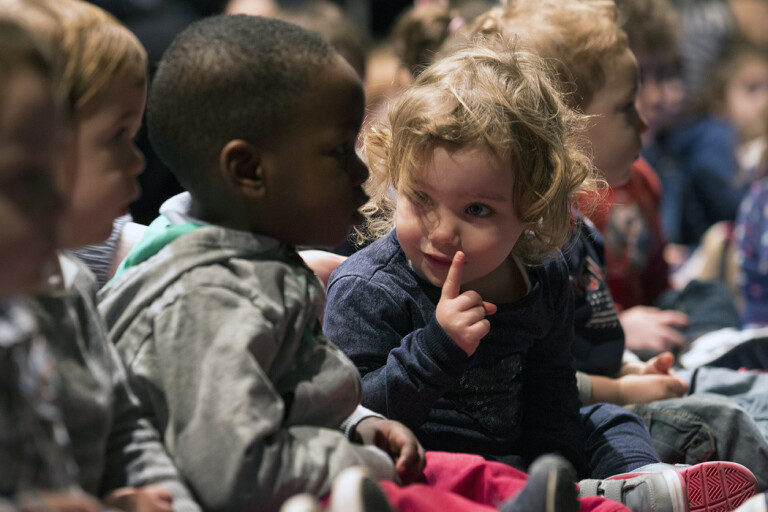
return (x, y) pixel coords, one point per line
(437, 261)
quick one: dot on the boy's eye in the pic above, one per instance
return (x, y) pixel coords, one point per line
(478, 210)
(119, 134)
(343, 149)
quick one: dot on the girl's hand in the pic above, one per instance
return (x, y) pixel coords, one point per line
(462, 315)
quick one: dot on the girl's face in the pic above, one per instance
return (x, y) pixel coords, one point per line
(105, 160)
(30, 205)
(746, 98)
(462, 201)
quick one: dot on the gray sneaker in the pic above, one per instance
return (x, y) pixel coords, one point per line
(706, 487)
(757, 503)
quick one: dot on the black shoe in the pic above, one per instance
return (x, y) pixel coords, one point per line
(551, 487)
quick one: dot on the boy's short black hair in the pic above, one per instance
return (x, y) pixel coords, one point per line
(228, 77)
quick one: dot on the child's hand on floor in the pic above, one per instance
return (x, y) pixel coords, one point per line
(462, 315)
(151, 498)
(647, 328)
(640, 386)
(637, 389)
(398, 441)
(657, 365)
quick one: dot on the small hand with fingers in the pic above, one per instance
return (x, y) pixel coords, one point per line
(462, 315)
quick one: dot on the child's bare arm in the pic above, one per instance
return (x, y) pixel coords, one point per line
(631, 389)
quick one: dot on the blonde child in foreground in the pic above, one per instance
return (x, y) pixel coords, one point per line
(218, 315)
(484, 160)
(102, 73)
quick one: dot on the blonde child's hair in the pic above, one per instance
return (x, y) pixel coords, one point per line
(485, 95)
(579, 37)
(94, 48)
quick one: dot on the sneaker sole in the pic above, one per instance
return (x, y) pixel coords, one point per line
(717, 486)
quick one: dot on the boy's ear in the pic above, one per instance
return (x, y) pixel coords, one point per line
(240, 163)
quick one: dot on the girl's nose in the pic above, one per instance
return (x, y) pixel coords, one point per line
(443, 230)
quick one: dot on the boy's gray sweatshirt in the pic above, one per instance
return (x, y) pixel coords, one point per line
(113, 444)
(220, 334)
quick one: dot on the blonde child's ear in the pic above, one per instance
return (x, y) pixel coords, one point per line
(241, 165)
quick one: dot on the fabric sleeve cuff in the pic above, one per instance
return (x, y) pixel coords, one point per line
(359, 414)
(584, 383)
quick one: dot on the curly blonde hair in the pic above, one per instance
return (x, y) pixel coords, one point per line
(579, 37)
(485, 95)
(93, 47)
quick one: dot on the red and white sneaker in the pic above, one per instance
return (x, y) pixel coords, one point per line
(707, 487)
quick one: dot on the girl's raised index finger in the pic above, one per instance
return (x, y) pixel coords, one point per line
(452, 284)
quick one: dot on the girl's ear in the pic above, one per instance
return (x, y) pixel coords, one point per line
(240, 164)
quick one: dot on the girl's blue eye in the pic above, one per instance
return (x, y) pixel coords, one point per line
(478, 210)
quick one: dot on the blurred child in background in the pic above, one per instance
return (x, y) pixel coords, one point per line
(102, 72)
(37, 471)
